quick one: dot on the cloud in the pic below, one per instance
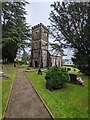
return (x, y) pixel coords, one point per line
(43, 0)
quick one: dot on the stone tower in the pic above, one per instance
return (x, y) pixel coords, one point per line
(39, 46)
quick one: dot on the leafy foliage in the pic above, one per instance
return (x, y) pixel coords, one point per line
(70, 25)
(15, 31)
(25, 57)
(81, 61)
(58, 76)
(58, 49)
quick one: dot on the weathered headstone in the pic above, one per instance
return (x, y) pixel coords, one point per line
(73, 78)
(80, 81)
(39, 72)
(76, 80)
(14, 65)
(28, 68)
(9, 69)
(2, 76)
(1, 73)
(48, 85)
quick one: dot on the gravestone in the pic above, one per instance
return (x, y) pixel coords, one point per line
(39, 72)
(73, 78)
(3, 77)
(9, 69)
(14, 65)
(1, 73)
(48, 85)
(76, 80)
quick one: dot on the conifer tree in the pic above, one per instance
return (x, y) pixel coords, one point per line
(15, 31)
(70, 23)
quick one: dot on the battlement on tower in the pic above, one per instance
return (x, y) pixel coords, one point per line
(40, 25)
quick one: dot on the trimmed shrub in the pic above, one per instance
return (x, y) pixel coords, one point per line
(57, 77)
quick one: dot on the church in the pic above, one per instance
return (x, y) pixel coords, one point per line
(40, 56)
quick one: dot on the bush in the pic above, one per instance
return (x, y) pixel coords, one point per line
(57, 77)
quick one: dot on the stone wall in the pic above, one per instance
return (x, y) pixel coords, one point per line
(56, 60)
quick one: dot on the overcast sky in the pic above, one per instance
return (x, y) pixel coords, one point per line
(38, 12)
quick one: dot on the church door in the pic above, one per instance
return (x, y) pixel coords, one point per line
(36, 64)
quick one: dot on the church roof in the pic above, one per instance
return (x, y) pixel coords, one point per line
(53, 54)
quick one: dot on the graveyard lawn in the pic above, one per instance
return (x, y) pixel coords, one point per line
(69, 102)
(6, 84)
(0, 99)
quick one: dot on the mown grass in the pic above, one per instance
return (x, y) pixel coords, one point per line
(69, 102)
(6, 84)
(25, 65)
(0, 99)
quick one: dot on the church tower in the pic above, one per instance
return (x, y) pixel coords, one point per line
(39, 46)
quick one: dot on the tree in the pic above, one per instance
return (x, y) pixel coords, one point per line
(58, 50)
(15, 31)
(71, 24)
(25, 57)
(81, 61)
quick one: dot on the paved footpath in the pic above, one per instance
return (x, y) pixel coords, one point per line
(24, 101)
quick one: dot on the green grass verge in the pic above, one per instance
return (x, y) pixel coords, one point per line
(6, 84)
(69, 102)
(25, 65)
(0, 99)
